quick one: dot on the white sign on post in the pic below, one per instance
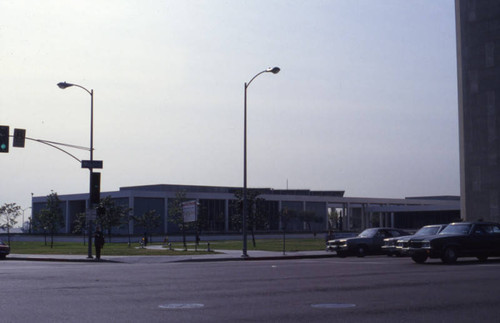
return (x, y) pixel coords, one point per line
(189, 211)
(91, 214)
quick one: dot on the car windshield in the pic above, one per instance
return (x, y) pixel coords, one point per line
(456, 229)
(368, 233)
(427, 231)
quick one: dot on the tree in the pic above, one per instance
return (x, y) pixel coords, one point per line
(202, 222)
(309, 217)
(8, 214)
(112, 216)
(125, 220)
(50, 219)
(333, 218)
(256, 216)
(286, 216)
(79, 224)
(176, 216)
(149, 221)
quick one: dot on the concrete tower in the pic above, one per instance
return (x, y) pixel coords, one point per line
(478, 57)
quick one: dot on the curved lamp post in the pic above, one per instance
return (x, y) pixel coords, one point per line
(274, 70)
(64, 85)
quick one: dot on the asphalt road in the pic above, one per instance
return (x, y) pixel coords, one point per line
(370, 289)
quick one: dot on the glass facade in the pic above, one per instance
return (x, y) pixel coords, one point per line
(212, 215)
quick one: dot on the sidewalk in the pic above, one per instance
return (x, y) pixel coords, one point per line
(219, 255)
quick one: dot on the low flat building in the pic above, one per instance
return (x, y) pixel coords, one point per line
(218, 209)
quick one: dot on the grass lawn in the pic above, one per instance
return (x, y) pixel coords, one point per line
(272, 244)
(122, 249)
(78, 248)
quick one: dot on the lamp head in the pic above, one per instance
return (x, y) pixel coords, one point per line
(274, 70)
(63, 85)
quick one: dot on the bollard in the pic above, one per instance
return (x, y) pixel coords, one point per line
(170, 246)
(208, 246)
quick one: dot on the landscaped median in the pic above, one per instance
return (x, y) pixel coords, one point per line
(172, 249)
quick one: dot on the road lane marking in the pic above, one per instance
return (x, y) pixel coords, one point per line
(333, 305)
(177, 306)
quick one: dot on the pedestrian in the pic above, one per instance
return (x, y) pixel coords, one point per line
(99, 243)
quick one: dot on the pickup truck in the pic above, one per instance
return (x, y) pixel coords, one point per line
(460, 239)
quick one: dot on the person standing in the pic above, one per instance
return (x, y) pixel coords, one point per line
(99, 243)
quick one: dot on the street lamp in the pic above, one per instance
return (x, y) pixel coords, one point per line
(64, 85)
(274, 70)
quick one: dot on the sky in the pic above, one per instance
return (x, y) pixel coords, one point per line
(365, 102)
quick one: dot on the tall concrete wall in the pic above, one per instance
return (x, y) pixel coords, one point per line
(478, 53)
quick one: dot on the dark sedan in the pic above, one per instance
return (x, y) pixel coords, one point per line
(369, 241)
(461, 239)
(4, 250)
(398, 246)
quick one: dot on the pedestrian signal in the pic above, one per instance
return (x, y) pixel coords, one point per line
(19, 138)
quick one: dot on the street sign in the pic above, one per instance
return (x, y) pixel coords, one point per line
(189, 211)
(91, 163)
(91, 214)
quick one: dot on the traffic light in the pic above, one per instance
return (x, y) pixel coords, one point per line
(4, 139)
(95, 188)
(19, 138)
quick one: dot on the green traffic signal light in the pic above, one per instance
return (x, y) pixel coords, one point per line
(4, 139)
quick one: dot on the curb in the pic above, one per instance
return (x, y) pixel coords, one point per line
(258, 258)
(59, 259)
(207, 259)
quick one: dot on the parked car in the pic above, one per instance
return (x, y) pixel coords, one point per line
(369, 241)
(4, 250)
(461, 239)
(398, 246)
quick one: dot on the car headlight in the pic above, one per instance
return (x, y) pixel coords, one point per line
(426, 244)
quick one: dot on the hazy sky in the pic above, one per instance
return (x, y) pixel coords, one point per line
(366, 100)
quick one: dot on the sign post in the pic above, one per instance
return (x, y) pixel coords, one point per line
(189, 211)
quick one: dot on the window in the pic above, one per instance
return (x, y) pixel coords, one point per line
(395, 233)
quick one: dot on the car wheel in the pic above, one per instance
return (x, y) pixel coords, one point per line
(3, 257)
(419, 259)
(482, 258)
(360, 251)
(450, 255)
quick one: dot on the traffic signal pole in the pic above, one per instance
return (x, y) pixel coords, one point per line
(91, 204)
(91, 190)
